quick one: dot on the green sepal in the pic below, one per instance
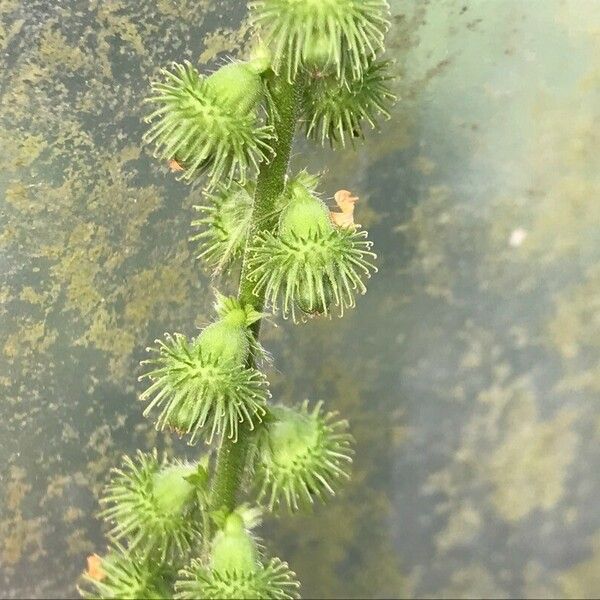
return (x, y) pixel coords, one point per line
(199, 479)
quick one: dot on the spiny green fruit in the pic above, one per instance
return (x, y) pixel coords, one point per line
(347, 33)
(336, 111)
(271, 581)
(151, 504)
(209, 124)
(235, 570)
(224, 225)
(122, 575)
(302, 455)
(309, 263)
(206, 380)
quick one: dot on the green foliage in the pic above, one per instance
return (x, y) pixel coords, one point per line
(177, 528)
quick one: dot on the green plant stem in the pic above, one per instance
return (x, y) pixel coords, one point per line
(232, 458)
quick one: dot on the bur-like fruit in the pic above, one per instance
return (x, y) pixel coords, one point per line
(302, 456)
(203, 385)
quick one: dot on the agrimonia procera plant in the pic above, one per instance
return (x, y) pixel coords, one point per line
(186, 529)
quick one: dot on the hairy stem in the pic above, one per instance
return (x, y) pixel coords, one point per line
(231, 461)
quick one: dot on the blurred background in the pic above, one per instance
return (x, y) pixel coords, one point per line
(471, 370)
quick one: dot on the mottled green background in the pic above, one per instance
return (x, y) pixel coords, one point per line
(470, 372)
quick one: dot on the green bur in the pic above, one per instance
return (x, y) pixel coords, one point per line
(226, 340)
(206, 380)
(224, 343)
(127, 577)
(302, 455)
(309, 263)
(235, 570)
(224, 225)
(208, 124)
(149, 503)
(292, 437)
(347, 32)
(306, 219)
